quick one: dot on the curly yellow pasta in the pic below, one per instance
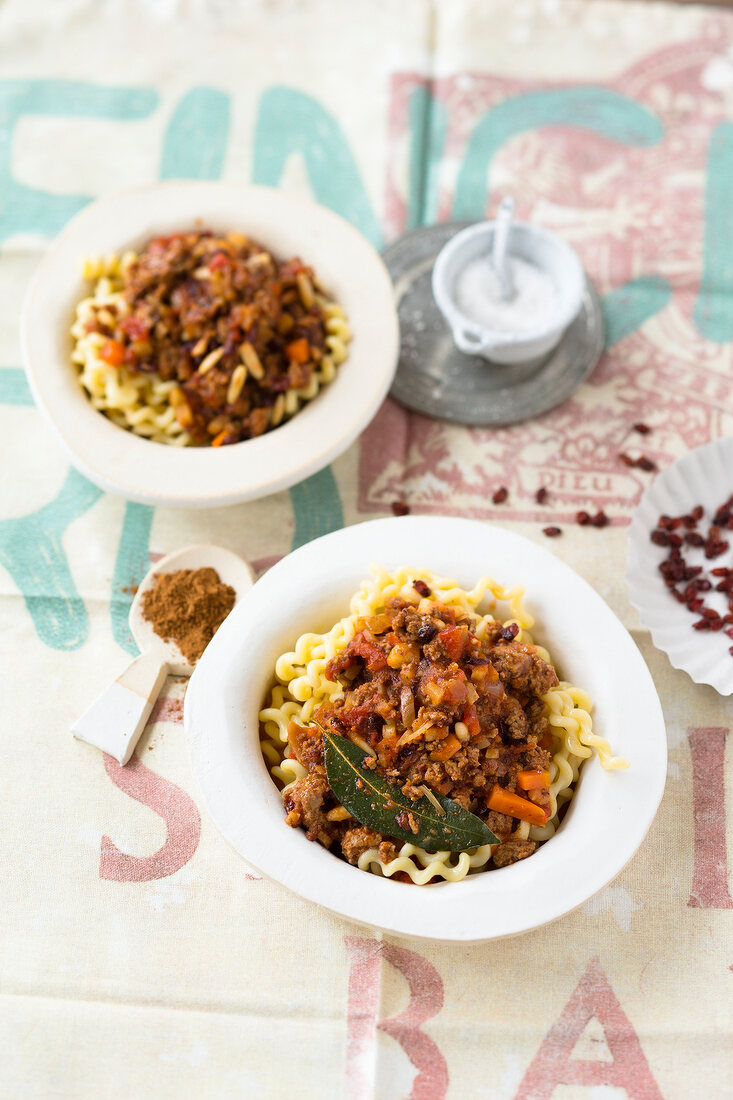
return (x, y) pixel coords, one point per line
(302, 686)
(141, 403)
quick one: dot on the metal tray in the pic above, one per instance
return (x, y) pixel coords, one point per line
(436, 379)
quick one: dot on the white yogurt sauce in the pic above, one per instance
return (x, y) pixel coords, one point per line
(477, 294)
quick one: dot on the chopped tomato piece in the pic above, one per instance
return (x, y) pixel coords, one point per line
(299, 350)
(506, 802)
(455, 640)
(135, 328)
(113, 352)
(535, 779)
(470, 720)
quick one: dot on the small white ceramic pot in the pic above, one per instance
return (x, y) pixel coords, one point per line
(537, 246)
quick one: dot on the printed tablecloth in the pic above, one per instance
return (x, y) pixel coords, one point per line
(140, 956)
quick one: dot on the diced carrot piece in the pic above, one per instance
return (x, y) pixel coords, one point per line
(113, 352)
(220, 438)
(506, 802)
(535, 779)
(449, 747)
(299, 350)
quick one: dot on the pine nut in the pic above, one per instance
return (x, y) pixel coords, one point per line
(211, 360)
(237, 383)
(251, 360)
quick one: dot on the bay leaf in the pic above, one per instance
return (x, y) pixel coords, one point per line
(377, 803)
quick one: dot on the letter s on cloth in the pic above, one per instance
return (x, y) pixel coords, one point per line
(178, 811)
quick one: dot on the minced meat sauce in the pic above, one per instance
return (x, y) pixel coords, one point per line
(233, 326)
(438, 708)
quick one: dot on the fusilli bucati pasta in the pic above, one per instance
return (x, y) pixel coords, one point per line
(312, 683)
(204, 340)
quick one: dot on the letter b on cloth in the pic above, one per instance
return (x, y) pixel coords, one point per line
(426, 1000)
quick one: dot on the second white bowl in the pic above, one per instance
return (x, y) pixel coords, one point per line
(120, 462)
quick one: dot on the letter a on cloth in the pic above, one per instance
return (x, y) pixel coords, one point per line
(553, 1065)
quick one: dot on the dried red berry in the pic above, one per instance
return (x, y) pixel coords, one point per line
(716, 624)
(399, 508)
(729, 631)
(694, 605)
(583, 518)
(642, 429)
(551, 532)
(701, 624)
(692, 538)
(600, 519)
(510, 632)
(500, 495)
(675, 540)
(709, 613)
(541, 495)
(626, 459)
(660, 538)
(421, 588)
(698, 512)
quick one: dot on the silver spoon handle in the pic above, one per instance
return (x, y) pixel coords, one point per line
(504, 219)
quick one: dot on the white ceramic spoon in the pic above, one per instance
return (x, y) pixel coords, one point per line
(115, 721)
(498, 260)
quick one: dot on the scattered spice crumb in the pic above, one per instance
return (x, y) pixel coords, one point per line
(641, 463)
(400, 508)
(500, 495)
(130, 589)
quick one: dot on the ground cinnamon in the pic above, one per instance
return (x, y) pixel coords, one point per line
(187, 607)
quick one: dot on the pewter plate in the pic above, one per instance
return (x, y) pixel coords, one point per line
(434, 378)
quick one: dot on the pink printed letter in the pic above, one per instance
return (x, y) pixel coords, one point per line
(710, 878)
(426, 1000)
(176, 808)
(552, 1064)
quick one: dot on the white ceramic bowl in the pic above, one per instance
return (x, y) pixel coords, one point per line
(309, 590)
(115, 459)
(703, 476)
(540, 247)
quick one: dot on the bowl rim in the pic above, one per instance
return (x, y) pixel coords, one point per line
(121, 462)
(226, 690)
(500, 337)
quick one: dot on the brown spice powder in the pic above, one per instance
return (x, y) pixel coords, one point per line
(187, 607)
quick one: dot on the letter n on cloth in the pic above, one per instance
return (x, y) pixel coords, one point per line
(553, 1065)
(426, 1000)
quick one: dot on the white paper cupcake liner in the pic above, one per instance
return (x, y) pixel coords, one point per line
(704, 476)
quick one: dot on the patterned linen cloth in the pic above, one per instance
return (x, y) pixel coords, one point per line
(140, 955)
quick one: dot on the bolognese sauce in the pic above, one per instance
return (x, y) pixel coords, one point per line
(439, 710)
